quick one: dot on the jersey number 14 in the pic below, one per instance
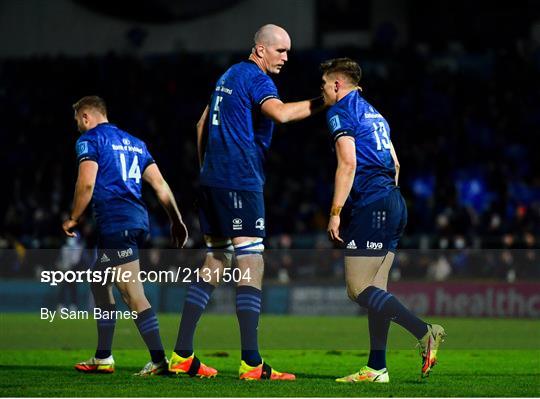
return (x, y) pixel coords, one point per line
(134, 170)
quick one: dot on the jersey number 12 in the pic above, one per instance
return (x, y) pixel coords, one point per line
(134, 170)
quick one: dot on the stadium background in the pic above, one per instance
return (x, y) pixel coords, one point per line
(458, 82)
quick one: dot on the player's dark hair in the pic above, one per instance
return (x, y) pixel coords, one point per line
(94, 102)
(345, 66)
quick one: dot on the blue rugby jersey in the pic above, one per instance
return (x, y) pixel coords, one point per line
(121, 158)
(239, 135)
(375, 170)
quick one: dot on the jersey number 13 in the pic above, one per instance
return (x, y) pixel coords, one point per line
(381, 136)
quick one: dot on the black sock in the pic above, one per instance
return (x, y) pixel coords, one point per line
(196, 300)
(105, 330)
(148, 326)
(248, 310)
(387, 305)
(378, 335)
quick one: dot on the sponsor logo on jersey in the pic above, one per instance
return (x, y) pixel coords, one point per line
(126, 141)
(125, 253)
(259, 224)
(335, 123)
(372, 114)
(104, 259)
(224, 89)
(237, 224)
(119, 147)
(351, 245)
(373, 245)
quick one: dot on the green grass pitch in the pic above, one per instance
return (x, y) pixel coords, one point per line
(481, 357)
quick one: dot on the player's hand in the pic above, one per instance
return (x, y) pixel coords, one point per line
(68, 226)
(333, 228)
(179, 234)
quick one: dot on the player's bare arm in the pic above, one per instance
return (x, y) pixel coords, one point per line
(153, 176)
(84, 188)
(202, 133)
(396, 162)
(281, 112)
(346, 167)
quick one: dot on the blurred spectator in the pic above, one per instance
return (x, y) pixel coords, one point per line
(440, 269)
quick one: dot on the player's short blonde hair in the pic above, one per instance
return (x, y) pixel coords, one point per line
(344, 66)
(93, 102)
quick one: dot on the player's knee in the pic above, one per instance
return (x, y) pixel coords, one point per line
(133, 298)
(221, 250)
(350, 293)
(353, 290)
(136, 303)
(210, 272)
(140, 304)
(125, 297)
(253, 246)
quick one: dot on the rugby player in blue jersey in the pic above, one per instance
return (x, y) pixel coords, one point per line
(368, 172)
(112, 166)
(233, 137)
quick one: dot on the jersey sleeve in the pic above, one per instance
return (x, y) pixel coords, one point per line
(338, 124)
(262, 88)
(148, 159)
(87, 148)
